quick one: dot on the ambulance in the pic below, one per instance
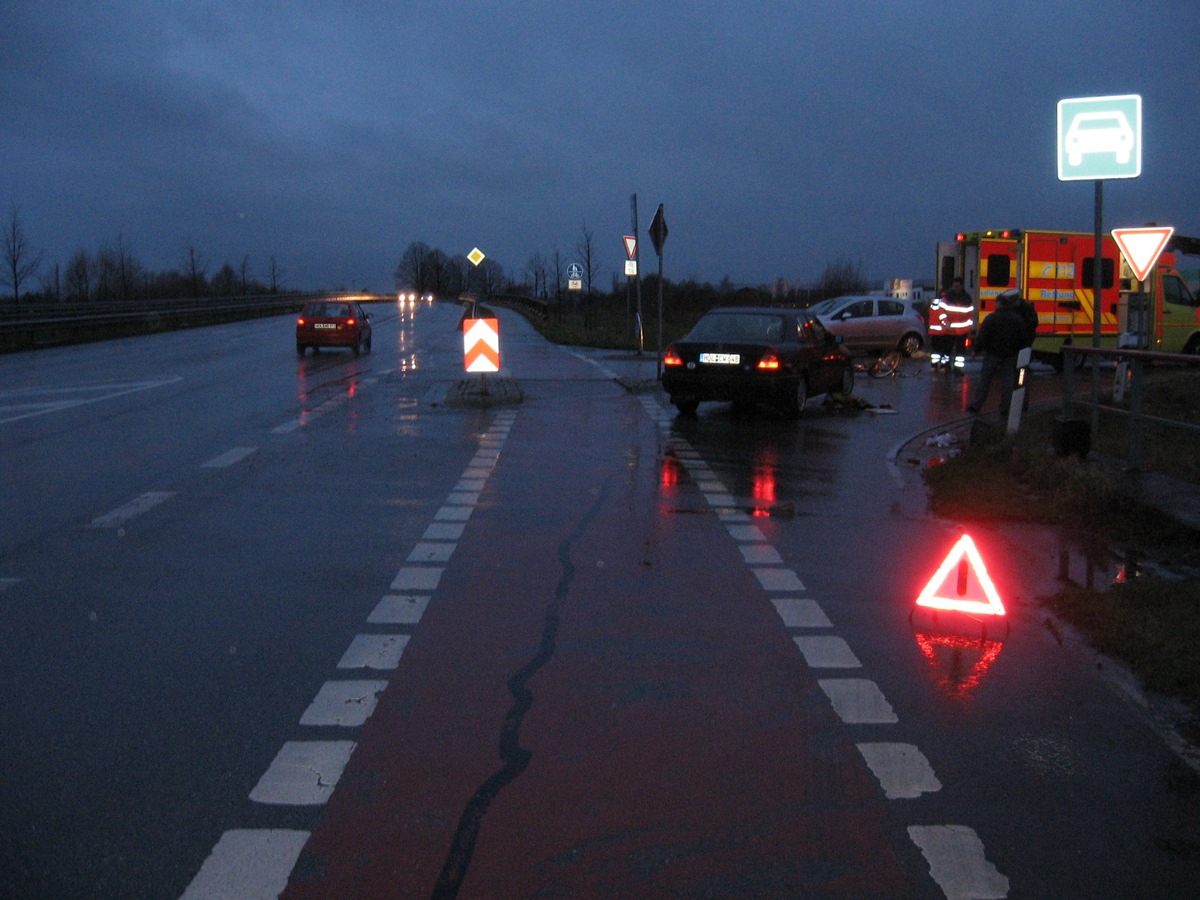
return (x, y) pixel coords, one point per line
(1054, 270)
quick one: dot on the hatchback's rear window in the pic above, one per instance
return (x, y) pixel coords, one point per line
(328, 311)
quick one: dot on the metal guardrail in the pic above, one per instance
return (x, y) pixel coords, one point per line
(1131, 368)
(51, 324)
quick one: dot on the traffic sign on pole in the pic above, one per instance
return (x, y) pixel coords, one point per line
(630, 246)
(1142, 247)
(1100, 138)
(658, 231)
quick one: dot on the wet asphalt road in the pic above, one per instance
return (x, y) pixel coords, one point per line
(589, 646)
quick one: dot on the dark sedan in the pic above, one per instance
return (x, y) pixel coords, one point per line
(747, 355)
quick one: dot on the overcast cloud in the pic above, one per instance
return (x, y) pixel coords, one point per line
(780, 136)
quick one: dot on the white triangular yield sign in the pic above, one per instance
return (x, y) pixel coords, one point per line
(962, 583)
(630, 246)
(1141, 247)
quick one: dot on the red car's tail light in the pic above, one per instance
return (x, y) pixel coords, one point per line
(769, 362)
(671, 357)
(300, 323)
(349, 323)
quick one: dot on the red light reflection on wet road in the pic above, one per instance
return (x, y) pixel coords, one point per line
(958, 663)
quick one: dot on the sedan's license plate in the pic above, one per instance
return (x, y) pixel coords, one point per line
(721, 359)
(324, 325)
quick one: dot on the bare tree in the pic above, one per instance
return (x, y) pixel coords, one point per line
(225, 282)
(275, 274)
(842, 277)
(557, 271)
(491, 277)
(128, 269)
(536, 269)
(194, 269)
(20, 261)
(415, 269)
(79, 277)
(586, 248)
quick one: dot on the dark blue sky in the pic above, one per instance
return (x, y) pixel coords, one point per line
(779, 136)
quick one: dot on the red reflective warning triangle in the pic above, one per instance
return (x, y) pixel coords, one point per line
(481, 345)
(1142, 247)
(962, 583)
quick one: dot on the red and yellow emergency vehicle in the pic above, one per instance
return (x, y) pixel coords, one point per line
(1053, 270)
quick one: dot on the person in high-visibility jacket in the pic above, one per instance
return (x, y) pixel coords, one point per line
(951, 319)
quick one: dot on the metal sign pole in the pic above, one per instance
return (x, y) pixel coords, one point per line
(1097, 306)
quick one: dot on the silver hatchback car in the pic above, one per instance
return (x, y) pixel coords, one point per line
(873, 324)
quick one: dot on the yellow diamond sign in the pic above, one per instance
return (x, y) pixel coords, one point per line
(476, 256)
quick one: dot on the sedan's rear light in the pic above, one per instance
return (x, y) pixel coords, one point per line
(349, 323)
(671, 357)
(300, 322)
(769, 362)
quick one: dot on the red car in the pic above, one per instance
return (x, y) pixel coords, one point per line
(333, 323)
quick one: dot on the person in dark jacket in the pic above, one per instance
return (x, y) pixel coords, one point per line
(1001, 337)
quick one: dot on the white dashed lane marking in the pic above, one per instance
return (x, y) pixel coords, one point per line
(957, 862)
(801, 612)
(902, 770)
(858, 701)
(303, 773)
(827, 651)
(345, 703)
(402, 609)
(374, 651)
(258, 861)
(132, 509)
(229, 458)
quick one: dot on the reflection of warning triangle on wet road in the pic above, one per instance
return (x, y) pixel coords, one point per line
(958, 663)
(962, 583)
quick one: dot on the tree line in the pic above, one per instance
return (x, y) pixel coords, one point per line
(113, 273)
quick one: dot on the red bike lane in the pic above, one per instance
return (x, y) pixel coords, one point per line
(600, 701)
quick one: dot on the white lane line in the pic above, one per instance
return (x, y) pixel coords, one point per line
(800, 612)
(712, 486)
(417, 578)
(345, 703)
(453, 513)
(132, 509)
(463, 498)
(827, 651)
(303, 773)
(747, 533)
(443, 531)
(251, 864)
(470, 484)
(957, 864)
(108, 392)
(778, 579)
(430, 552)
(858, 701)
(229, 458)
(398, 609)
(374, 651)
(720, 499)
(760, 554)
(903, 771)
